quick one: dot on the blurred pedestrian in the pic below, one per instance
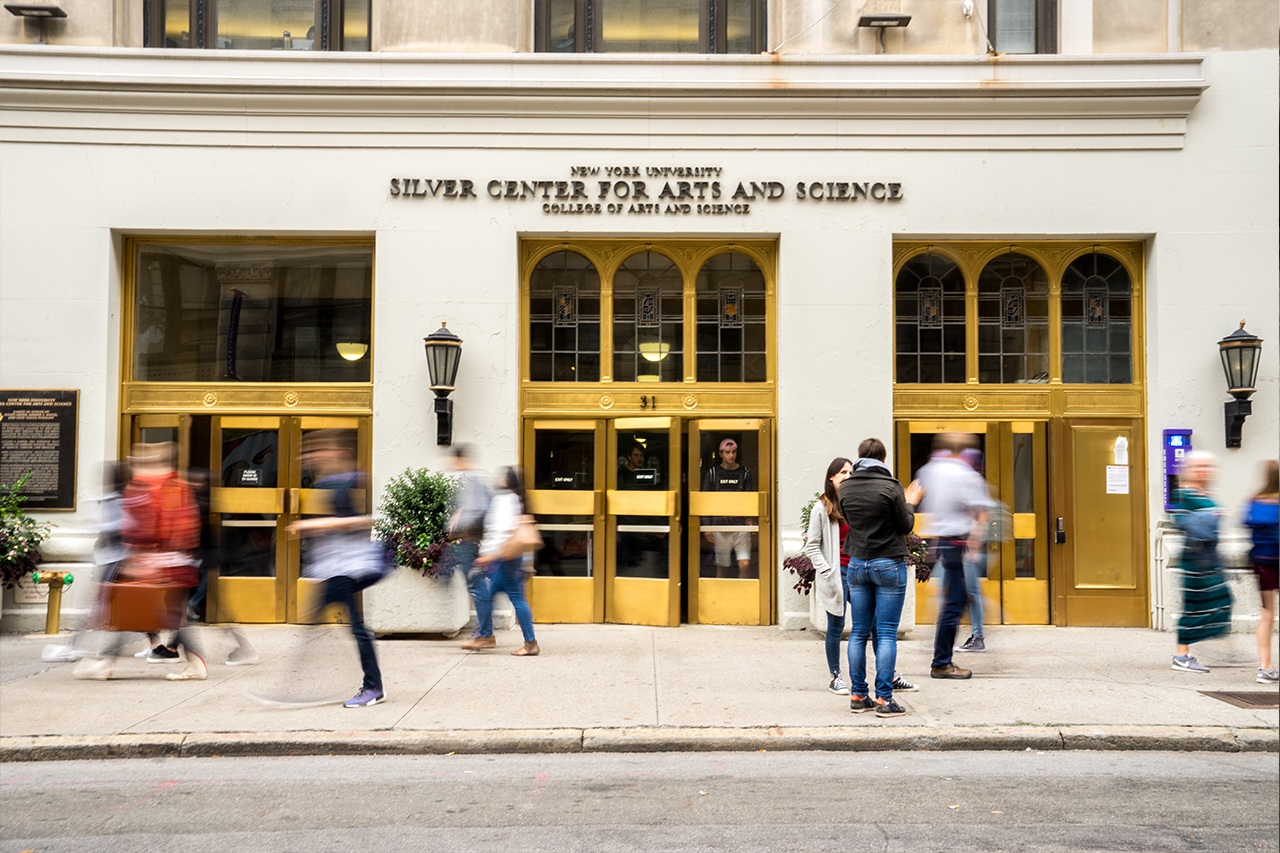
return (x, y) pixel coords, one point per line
(108, 554)
(1206, 598)
(340, 551)
(466, 522)
(160, 528)
(1262, 517)
(880, 514)
(822, 547)
(505, 572)
(958, 505)
(975, 569)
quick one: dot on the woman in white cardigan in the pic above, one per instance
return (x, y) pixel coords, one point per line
(822, 547)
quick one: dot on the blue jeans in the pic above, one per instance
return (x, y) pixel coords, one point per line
(342, 590)
(877, 589)
(507, 577)
(954, 597)
(835, 630)
(973, 572)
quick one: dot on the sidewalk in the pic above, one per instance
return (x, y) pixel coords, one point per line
(624, 688)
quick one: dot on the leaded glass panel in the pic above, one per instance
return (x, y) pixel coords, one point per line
(1097, 321)
(1013, 321)
(929, 314)
(731, 320)
(648, 320)
(564, 320)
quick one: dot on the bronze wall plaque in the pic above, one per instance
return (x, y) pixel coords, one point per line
(38, 434)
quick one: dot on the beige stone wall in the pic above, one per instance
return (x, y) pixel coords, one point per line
(89, 23)
(796, 27)
(1131, 26)
(435, 26)
(1234, 25)
(815, 27)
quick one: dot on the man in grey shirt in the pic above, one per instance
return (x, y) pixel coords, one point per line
(957, 503)
(466, 523)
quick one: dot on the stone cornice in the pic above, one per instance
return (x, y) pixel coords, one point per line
(997, 102)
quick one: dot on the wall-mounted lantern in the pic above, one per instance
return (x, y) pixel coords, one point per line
(881, 22)
(1240, 353)
(444, 352)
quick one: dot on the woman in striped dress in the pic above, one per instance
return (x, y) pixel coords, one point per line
(1206, 599)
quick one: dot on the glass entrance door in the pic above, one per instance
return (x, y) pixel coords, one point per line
(730, 477)
(1014, 461)
(645, 521)
(258, 483)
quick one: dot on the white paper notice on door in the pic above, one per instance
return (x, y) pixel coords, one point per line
(1117, 479)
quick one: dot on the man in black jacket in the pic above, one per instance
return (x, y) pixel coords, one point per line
(880, 514)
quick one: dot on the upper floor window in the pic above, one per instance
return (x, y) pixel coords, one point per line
(973, 313)
(650, 26)
(257, 24)
(1023, 26)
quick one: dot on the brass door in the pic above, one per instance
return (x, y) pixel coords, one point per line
(1102, 546)
(564, 463)
(1015, 464)
(261, 484)
(730, 530)
(642, 507)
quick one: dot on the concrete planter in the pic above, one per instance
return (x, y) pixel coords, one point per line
(818, 616)
(409, 603)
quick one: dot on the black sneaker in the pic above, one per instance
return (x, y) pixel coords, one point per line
(973, 644)
(889, 708)
(163, 654)
(901, 685)
(858, 704)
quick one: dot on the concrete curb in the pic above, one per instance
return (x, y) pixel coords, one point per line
(643, 739)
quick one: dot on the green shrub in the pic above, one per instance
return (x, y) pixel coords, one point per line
(413, 519)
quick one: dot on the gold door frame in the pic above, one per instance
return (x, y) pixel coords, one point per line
(1011, 600)
(731, 601)
(1061, 407)
(643, 601)
(565, 599)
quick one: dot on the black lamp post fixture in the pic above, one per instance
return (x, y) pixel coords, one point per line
(444, 351)
(41, 12)
(1240, 356)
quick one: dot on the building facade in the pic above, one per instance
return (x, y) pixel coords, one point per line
(693, 250)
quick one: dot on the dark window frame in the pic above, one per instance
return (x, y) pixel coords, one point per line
(1046, 12)
(713, 26)
(329, 17)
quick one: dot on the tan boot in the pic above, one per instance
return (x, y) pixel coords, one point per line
(529, 649)
(195, 670)
(476, 644)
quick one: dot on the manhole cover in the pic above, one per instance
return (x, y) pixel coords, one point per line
(1252, 699)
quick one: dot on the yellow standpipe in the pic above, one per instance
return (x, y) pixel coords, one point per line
(56, 581)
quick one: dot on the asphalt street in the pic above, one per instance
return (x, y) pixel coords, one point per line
(958, 801)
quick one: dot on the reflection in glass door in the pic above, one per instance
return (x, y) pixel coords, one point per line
(1013, 459)
(730, 480)
(563, 461)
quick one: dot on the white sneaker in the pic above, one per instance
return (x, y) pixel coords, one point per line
(54, 653)
(95, 669)
(1188, 663)
(1268, 676)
